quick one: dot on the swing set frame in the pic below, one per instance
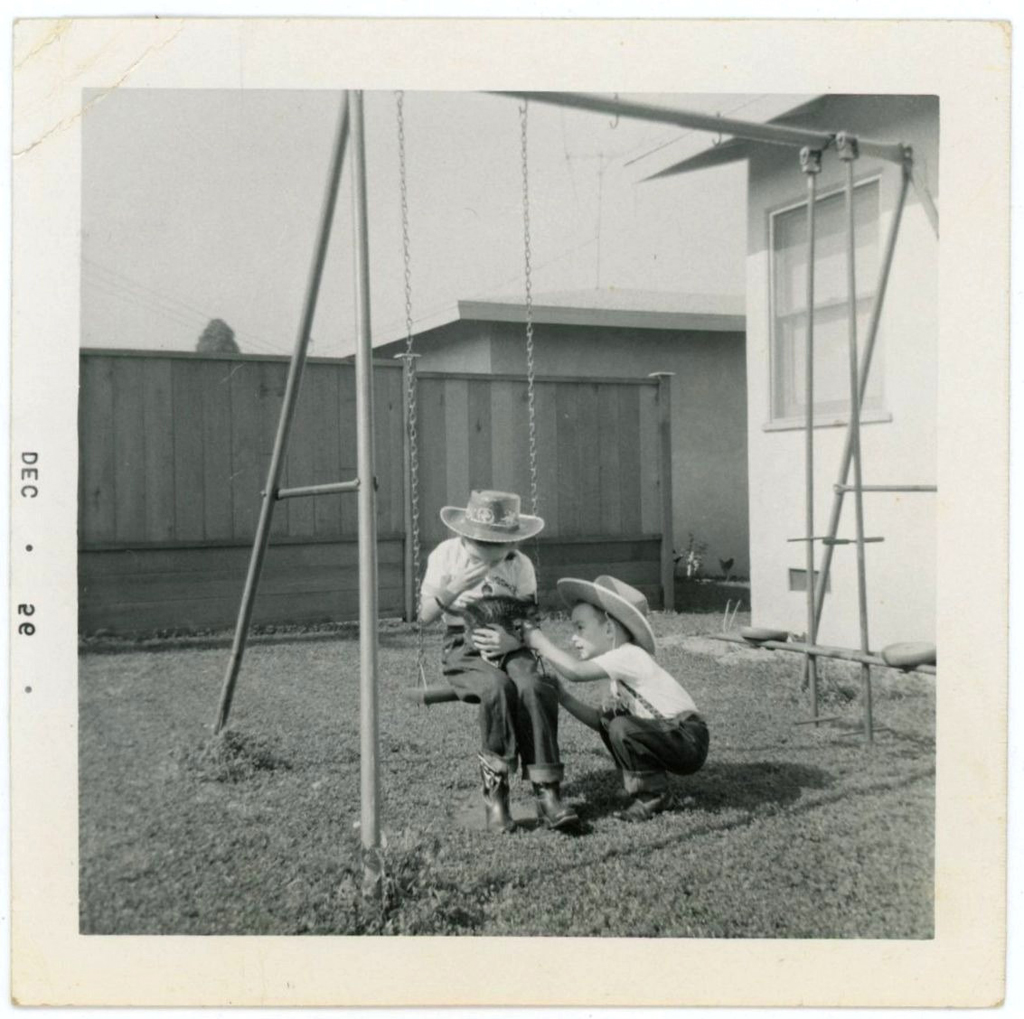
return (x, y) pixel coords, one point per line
(350, 143)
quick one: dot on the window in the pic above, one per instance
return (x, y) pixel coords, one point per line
(789, 305)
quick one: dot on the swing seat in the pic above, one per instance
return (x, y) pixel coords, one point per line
(441, 693)
(759, 634)
(909, 655)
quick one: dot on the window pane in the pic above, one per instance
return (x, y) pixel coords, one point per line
(789, 297)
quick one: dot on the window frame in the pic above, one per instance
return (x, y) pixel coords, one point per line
(822, 419)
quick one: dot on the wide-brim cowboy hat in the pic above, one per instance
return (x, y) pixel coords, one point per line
(618, 599)
(492, 517)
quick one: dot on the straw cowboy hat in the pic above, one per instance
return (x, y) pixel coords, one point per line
(619, 600)
(492, 516)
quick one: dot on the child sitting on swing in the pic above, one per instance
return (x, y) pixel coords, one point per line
(490, 666)
(650, 724)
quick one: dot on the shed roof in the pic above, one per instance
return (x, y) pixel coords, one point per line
(607, 306)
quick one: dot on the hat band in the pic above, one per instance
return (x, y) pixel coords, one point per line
(486, 517)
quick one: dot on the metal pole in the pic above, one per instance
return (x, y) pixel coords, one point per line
(668, 566)
(847, 150)
(369, 777)
(332, 488)
(869, 349)
(810, 163)
(777, 134)
(291, 393)
(888, 488)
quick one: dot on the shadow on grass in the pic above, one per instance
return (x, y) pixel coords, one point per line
(717, 787)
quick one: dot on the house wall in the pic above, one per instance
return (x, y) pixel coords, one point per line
(901, 449)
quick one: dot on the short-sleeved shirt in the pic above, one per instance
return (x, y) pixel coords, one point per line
(643, 684)
(513, 576)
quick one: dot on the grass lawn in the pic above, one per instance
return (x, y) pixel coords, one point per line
(787, 831)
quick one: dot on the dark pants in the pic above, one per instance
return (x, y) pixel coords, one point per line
(518, 705)
(646, 748)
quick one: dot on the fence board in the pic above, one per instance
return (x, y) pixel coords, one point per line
(158, 431)
(433, 474)
(129, 452)
(245, 445)
(96, 449)
(215, 390)
(547, 455)
(650, 462)
(629, 458)
(588, 456)
(611, 476)
(349, 457)
(324, 396)
(299, 459)
(188, 450)
(480, 462)
(568, 459)
(456, 430)
(273, 376)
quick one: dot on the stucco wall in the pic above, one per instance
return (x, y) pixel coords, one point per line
(901, 571)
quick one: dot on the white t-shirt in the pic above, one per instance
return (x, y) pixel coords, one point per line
(513, 576)
(634, 672)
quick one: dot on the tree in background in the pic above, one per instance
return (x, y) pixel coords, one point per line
(217, 338)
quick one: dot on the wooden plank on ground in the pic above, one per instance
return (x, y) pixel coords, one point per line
(188, 450)
(611, 476)
(158, 427)
(629, 459)
(96, 449)
(215, 394)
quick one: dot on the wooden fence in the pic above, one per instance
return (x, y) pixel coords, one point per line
(174, 450)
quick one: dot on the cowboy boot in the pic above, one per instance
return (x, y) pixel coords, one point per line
(550, 808)
(494, 772)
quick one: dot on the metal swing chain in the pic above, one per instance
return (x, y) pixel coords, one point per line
(531, 406)
(530, 396)
(410, 393)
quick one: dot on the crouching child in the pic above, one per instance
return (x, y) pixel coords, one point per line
(650, 724)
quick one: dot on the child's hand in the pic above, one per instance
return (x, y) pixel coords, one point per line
(494, 642)
(465, 578)
(613, 704)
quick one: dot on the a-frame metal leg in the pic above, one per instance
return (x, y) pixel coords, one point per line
(865, 367)
(284, 422)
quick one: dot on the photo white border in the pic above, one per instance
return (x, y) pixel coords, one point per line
(967, 65)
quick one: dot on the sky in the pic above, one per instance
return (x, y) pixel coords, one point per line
(204, 204)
